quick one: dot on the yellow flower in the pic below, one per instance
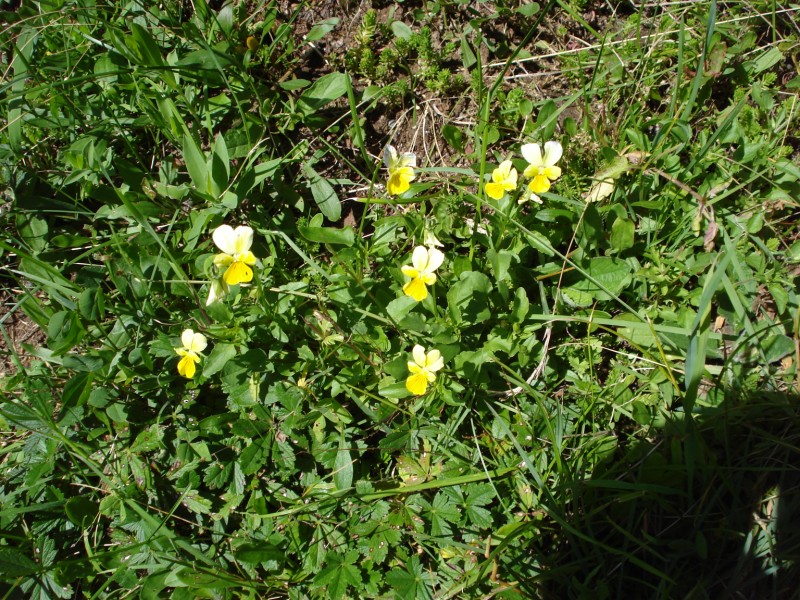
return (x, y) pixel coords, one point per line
(542, 169)
(424, 262)
(193, 345)
(422, 369)
(236, 256)
(504, 179)
(401, 170)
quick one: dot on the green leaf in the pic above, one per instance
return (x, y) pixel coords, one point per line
(259, 552)
(767, 59)
(453, 136)
(323, 91)
(14, 563)
(401, 30)
(605, 277)
(622, 232)
(220, 167)
(196, 165)
(218, 358)
(81, 511)
(327, 235)
(81, 362)
(323, 193)
(467, 299)
(321, 29)
(343, 467)
(339, 575)
(519, 306)
(254, 457)
(389, 388)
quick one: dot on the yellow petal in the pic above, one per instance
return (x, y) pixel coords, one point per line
(540, 184)
(223, 260)
(409, 271)
(495, 190)
(552, 173)
(417, 384)
(416, 289)
(187, 367)
(400, 180)
(238, 272)
(247, 258)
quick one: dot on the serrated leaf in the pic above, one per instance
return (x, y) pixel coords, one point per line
(15, 564)
(339, 575)
(609, 276)
(254, 457)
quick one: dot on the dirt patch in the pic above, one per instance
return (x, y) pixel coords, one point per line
(17, 329)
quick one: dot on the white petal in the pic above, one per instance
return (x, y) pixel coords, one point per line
(186, 338)
(434, 360)
(533, 154)
(199, 342)
(243, 238)
(552, 153)
(419, 355)
(225, 239)
(408, 159)
(390, 157)
(419, 258)
(435, 259)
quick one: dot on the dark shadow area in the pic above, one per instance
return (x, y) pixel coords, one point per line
(706, 507)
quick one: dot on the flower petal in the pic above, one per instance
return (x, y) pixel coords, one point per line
(237, 273)
(243, 238)
(417, 384)
(552, 153)
(533, 154)
(407, 159)
(225, 239)
(552, 173)
(186, 338)
(495, 190)
(199, 342)
(539, 184)
(434, 360)
(416, 289)
(409, 270)
(390, 157)
(223, 260)
(413, 367)
(435, 259)
(187, 367)
(419, 258)
(399, 181)
(419, 355)
(247, 257)
(216, 290)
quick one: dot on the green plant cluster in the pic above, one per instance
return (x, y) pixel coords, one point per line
(384, 49)
(618, 395)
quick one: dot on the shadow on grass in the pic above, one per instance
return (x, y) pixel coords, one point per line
(706, 507)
